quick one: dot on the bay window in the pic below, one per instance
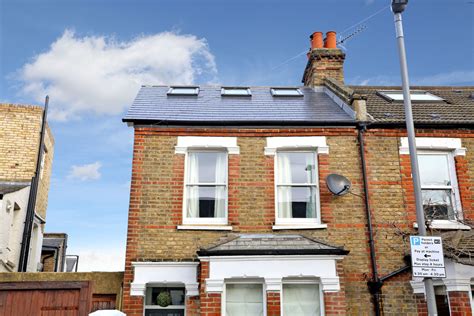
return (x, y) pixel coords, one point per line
(206, 187)
(244, 299)
(296, 187)
(301, 299)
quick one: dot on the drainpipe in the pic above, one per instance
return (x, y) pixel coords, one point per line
(375, 284)
(30, 211)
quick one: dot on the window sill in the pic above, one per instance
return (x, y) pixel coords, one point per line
(300, 226)
(203, 227)
(446, 225)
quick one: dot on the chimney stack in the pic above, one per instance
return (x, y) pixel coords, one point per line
(325, 60)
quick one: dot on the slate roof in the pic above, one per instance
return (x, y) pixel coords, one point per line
(8, 187)
(153, 105)
(458, 107)
(270, 244)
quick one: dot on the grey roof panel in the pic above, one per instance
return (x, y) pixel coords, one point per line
(270, 244)
(153, 104)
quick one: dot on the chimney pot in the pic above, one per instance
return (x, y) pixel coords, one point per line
(316, 40)
(330, 41)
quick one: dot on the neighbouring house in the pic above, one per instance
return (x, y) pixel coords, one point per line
(53, 252)
(230, 213)
(19, 143)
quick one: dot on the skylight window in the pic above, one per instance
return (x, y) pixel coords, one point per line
(286, 92)
(415, 96)
(183, 91)
(236, 91)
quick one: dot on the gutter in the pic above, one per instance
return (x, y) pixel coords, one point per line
(299, 124)
(30, 211)
(272, 252)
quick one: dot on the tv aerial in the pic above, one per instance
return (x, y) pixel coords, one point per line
(350, 36)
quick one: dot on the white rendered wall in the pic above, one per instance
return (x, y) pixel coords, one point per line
(11, 226)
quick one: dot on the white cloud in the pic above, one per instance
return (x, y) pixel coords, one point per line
(101, 259)
(100, 75)
(446, 78)
(369, 2)
(86, 172)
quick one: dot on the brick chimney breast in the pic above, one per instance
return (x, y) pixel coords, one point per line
(324, 63)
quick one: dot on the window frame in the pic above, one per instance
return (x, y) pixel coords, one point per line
(297, 221)
(454, 187)
(149, 286)
(274, 92)
(225, 94)
(303, 281)
(243, 281)
(386, 94)
(171, 91)
(205, 220)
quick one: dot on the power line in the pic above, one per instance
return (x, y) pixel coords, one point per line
(365, 20)
(344, 31)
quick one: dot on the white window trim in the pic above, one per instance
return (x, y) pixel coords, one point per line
(317, 143)
(198, 142)
(454, 187)
(273, 269)
(298, 223)
(452, 147)
(164, 273)
(303, 281)
(434, 143)
(243, 281)
(207, 220)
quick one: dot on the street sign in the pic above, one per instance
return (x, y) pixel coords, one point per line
(427, 258)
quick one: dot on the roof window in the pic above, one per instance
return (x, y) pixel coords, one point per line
(415, 96)
(286, 92)
(183, 91)
(236, 91)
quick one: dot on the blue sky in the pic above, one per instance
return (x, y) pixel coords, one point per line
(90, 56)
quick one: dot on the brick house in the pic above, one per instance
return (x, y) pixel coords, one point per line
(230, 212)
(19, 143)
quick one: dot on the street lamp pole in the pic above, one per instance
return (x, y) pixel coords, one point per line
(398, 6)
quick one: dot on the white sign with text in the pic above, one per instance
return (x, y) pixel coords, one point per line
(427, 257)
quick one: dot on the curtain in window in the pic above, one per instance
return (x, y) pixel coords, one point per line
(284, 176)
(301, 300)
(310, 170)
(220, 196)
(244, 300)
(193, 191)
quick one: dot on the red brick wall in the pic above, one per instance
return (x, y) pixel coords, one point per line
(273, 304)
(133, 305)
(156, 207)
(459, 304)
(210, 302)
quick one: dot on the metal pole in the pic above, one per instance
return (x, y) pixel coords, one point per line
(420, 216)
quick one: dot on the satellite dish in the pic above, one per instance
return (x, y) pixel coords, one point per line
(337, 184)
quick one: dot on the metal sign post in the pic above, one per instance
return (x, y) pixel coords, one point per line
(398, 6)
